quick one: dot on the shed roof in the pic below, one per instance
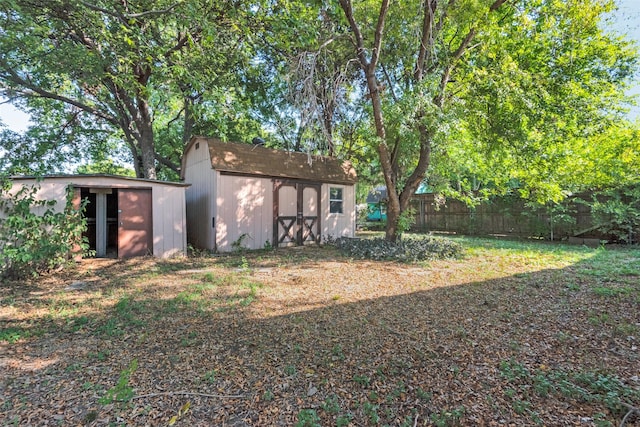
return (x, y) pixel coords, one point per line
(249, 159)
(126, 180)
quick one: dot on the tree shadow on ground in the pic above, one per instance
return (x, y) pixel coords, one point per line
(553, 347)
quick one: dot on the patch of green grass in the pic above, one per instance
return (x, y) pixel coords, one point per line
(189, 339)
(363, 380)
(614, 263)
(13, 335)
(423, 395)
(308, 418)
(127, 308)
(73, 367)
(210, 376)
(100, 355)
(626, 329)
(607, 291)
(188, 297)
(110, 328)
(397, 392)
(447, 417)
(331, 404)
(599, 319)
(344, 420)
(521, 406)
(513, 371)
(122, 391)
(574, 287)
(215, 293)
(586, 386)
(371, 412)
(209, 278)
(337, 353)
(78, 323)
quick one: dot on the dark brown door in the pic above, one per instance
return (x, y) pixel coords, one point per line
(135, 225)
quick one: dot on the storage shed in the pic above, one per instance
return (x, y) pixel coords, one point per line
(245, 195)
(126, 217)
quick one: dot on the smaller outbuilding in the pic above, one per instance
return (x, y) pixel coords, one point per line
(377, 204)
(250, 196)
(125, 216)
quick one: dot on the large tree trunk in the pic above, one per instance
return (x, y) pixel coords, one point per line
(148, 152)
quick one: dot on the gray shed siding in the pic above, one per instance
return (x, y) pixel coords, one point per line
(200, 196)
(245, 211)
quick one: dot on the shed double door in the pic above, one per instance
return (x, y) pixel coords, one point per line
(128, 209)
(296, 212)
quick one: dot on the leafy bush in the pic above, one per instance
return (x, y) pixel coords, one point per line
(617, 211)
(34, 238)
(405, 250)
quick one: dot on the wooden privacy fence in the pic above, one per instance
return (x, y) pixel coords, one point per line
(507, 215)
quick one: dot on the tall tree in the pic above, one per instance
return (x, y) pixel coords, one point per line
(123, 66)
(545, 67)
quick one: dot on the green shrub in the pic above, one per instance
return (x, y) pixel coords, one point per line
(404, 250)
(34, 238)
(617, 212)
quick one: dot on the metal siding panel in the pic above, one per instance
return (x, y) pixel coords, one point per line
(266, 218)
(339, 225)
(200, 197)
(169, 235)
(244, 208)
(224, 207)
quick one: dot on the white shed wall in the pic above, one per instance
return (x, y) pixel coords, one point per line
(245, 206)
(169, 221)
(200, 197)
(339, 225)
(168, 206)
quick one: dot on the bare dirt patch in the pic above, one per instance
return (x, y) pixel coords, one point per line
(507, 336)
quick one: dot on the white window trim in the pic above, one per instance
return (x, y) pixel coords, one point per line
(341, 200)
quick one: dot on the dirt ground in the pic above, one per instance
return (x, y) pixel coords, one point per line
(506, 336)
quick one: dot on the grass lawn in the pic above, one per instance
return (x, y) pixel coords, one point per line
(514, 333)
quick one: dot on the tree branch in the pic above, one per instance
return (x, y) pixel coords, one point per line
(151, 12)
(168, 163)
(426, 41)
(359, 40)
(116, 15)
(496, 5)
(36, 90)
(126, 17)
(377, 43)
(446, 74)
(389, 83)
(462, 48)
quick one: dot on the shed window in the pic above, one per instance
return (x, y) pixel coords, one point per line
(336, 202)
